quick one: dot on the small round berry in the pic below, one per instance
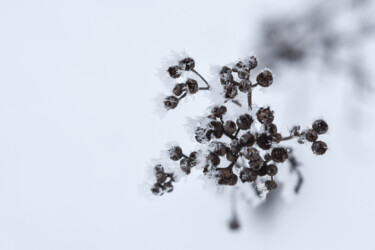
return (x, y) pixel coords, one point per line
(265, 115)
(265, 78)
(247, 139)
(157, 189)
(244, 86)
(193, 158)
(311, 135)
(267, 157)
(264, 141)
(230, 91)
(218, 148)
(252, 62)
(217, 129)
(243, 74)
(279, 155)
(248, 175)
(244, 121)
(235, 146)
(270, 184)
(230, 127)
(226, 75)
(170, 102)
(319, 147)
(214, 159)
(227, 177)
(230, 156)
(192, 86)
(175, 153)
(200, 134)
(262, 171)
(272, 170)
(219, 111)
(187, 64)
(271, 128)
(252, 154)
(178, 89)
(174, 72)
(277, 137)
(160, 174)
(239, 66)
(320, 126)
(185, 165)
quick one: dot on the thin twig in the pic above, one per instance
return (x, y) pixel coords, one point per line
(193, 70)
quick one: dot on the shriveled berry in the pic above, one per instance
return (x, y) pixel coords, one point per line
(252, 62)
(265, 115)
(157, 189)
(193, 158)
(311, 135)
(247, 139)
(178, 89)
(174, 72)
(251, 154)
(187, 64)
(319, 147)
(271, 128)
(219, 111)
(185, 165)
(226, 177)
(160, 174)
(175, 153)
(192, 86)
(244, 121)
(214, 159)
(265, 78)
(218, 148)
(235, 146)
(262, 171)
(244, 86)
(264, 141)
(272, 170)
(279, 154)
(270, 184)
(168, 187)
(230, 91)
(239, 66)
(243, 74)
(248, 175)
(230, 156)
(230, 127)
(320, 126)
(226, 75)
(217, 129)
(170, 102)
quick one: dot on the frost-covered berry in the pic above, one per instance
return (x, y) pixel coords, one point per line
(272, 170)
(193, 158)
(157, 188)
(235, 146)
(226, 177)
(271, 128)
(265, 78)
(247, 139)
(170, 102)
(219, 111)
(174, 72)
(248, 175)
(320, 126)
(251, 154)
(244, 86)
(264, 141)
(159, 174)
(230, 127)
(226, 75)
(279, 155)
(244, 121)
(185, 165)
(230, 156)
(270, 184)
(187, 64)
(217, 129)
(319, 147)
(252, 62)
(230, 91)
(192, 86)
(311, 135)
(168, 187)
(265, 115)
(179, 89)
(175, 153)
(214, 159)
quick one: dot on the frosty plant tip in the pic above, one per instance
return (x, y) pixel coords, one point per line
(237, 141)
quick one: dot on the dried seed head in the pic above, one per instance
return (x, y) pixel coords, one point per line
(178, 89)
(230, 127)
(175, 153)
(226, 75)
(226, 177)
(244, 121)
(187, 64)
(319, 147)
(270, 184)
(185, 165)
(174, 72)
(311, 135)
(265, 78)
(247, 139)
(320, 126)
(219, 111)
(279, 154)
(192, 85)
(265, 115)
(170, 102)
(272, 170)
(248, 175)
(264, 141)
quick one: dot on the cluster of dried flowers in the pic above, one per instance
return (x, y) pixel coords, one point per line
(252, 155)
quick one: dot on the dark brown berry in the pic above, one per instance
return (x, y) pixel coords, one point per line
(252, 62)
(279, 154)
(157, 189)
(272, 170)
(192, 86)
(265, 115)
(193, 158)
(244, 121)
(311, 135)
(265, 78)
(214, 159)
(226, 177)
(160, 174)
(271, 128)
(174, 72)
(185, 165)
(270, 184)
(248, 175)
(178, 89)
(244, 86)
(235, 146)
(217, 129)
(219, 111)
(320, 126)
(252, 154)
(170, 102)
(243, 74)
(168, 187)
(175, 153)
(230, 127)
(226, 75)
(218, 148)
(247, 139)
(230, 91)
(264, 141)
(262, 171)
(230, 156)
(319, 147)
(187, 64)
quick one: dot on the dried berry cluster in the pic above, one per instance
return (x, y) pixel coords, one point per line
(250, 154)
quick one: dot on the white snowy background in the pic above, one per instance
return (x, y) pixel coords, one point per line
(79, 130)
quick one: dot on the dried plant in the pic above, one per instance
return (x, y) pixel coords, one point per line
(237, 140)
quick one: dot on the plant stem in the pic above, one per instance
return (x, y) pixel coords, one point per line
(208, 86)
